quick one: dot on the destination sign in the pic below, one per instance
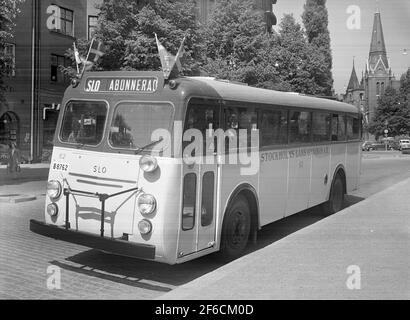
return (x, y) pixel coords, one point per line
(121, 84)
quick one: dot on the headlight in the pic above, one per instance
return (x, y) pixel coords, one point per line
(144, 226)
(148, 163)
(52, 209)
(146, 203)
(54, 189)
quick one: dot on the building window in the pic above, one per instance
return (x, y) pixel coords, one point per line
(378, 88)
(382, 88)
(10, 59)
(55, 74)
(92, 25)
(9, 127)
(66, 22)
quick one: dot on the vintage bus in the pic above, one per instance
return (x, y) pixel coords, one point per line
(115, 187)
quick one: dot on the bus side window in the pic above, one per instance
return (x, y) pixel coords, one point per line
(300, 126)
(207, 208)
(353, 128)
(202, 115)
(231, 126)
(321, 126)
(237, 118)
(248, 120)
(338, 127)
(341, 132)
(189, 201)
(273, 127)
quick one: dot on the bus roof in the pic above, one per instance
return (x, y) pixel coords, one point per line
(209, 87)
(241, 92)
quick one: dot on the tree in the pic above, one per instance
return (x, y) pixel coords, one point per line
(8, 12)
(315, 20)
(393, 110)
(392, 113)
(232, 37)
(127, 30)
(405, 86)
(236, 47)
(299, 62)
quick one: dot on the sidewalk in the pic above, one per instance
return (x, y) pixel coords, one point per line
(28, 184)
(371, 237)
(29, 172)
(384, 154)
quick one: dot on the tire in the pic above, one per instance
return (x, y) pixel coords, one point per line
(336, 197)
(235, 229)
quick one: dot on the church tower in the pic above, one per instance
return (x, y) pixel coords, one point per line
(355, 91)
(378, 75)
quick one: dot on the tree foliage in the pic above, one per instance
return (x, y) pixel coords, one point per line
(127, 30)
(8, 12)
(236, 47)
(128, 33)
(232, 38)
(232, 44)
(315, 19)
(393, 111)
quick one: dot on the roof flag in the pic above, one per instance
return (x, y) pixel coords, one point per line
(168, 61)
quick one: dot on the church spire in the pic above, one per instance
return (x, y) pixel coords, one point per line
(354, 81)
(378, 52)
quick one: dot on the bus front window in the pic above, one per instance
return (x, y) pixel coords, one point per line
(83, 122)
(133, 123)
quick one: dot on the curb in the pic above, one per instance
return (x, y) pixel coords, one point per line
(17, 198)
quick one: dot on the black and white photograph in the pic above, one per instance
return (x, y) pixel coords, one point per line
(216, 152)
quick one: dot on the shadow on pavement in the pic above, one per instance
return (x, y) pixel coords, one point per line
(162, 277)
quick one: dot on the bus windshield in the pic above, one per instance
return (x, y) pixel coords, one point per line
(83, 122)
(134, 122)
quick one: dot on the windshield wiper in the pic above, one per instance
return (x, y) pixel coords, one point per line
(148, 145)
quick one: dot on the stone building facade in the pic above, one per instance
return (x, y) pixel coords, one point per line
(34, 83)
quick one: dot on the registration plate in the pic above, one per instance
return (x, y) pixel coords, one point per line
(60, 166)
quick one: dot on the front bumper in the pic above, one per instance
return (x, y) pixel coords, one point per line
(116, 246)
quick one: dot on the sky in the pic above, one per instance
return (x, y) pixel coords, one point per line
(347, 43)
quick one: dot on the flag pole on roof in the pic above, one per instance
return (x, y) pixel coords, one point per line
(77, 58)
(168, 61)
(94, 53)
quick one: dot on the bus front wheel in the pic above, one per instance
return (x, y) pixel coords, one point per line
(235, 229)
(336, 198)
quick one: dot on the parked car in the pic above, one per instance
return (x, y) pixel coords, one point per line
(365, 145)
(374, 145)
(404, 144)
(393, 145)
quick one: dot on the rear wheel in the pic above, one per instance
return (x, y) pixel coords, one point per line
(336, 198)
(235, 229)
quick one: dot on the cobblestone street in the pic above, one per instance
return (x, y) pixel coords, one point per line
(90, 274)
(85, 273)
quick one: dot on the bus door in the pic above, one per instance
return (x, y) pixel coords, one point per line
(200, 180)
